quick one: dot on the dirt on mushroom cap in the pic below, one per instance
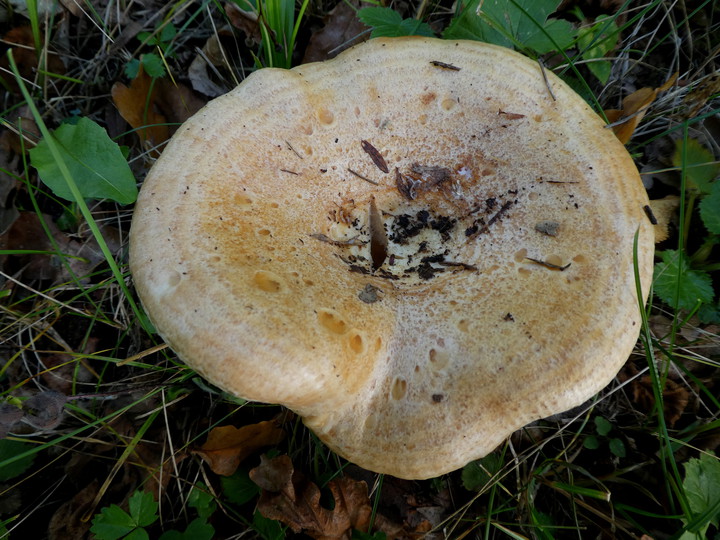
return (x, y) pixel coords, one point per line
(357, 240)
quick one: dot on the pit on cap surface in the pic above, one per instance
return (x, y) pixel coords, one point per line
(418, 259)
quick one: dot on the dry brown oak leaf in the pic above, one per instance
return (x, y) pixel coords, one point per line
(290, 498)
(227, 446)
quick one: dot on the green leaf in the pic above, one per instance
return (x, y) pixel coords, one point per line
(143, 508)
(710, 209)
(153, 65)
(268, 528)
(94, 160)
(476, 474)
(137, 534)
(709, 314)
(591, 442)
(238, 488)
(699, 167)
(10, 449)
(201, 499)
(132, 68)
(595, 42)
(543, 524)
(702, 489)
(198, 529)
(617, 448)
(513, 23)
(112, 523)
(602, 426)
(695, 285)
(387, 22)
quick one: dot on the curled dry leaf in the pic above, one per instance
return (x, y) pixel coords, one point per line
(664, 210)
(290, 498)
(246, 21)
(634, 108)
(227, 446)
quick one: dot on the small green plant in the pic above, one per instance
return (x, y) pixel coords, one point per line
(386, 22)
(603, 428)
(522, 24)
(114, 523)
(279, 25)
(161, 39)
(702, 489)
(595, 42)
(682, 280)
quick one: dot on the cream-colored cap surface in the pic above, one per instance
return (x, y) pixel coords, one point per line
(416, 246)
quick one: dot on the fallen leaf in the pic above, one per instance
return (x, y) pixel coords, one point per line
(227, 446)
(26, 58)
(288, 497)
(246, 21)
(664, 211)
(675, 398)
(27, 233)
(24, 133)
(154, 107)
(634, 108)
(199, 71)
(67, 520)
(342, 30)
(137, 105)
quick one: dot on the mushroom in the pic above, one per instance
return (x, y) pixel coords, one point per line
(357, 240)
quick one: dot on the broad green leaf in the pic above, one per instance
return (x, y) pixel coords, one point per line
(112, 523)
(143, 508)
(95, 162)
(702, 489)
(710, 209)
(595, 42)
(9, 449)
(695, 285)
(512, 23)
(387, 22)
(700, 169)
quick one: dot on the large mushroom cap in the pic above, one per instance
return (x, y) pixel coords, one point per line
(419, 246)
